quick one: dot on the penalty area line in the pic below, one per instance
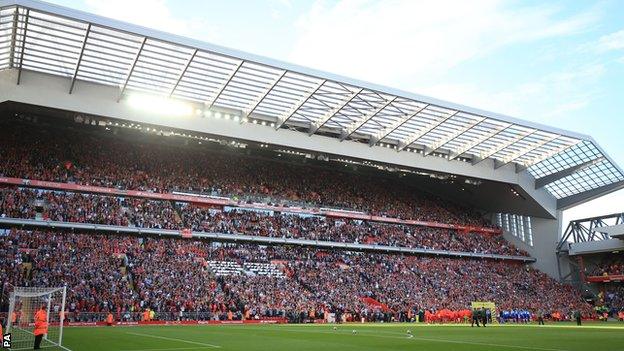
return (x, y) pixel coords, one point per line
(175, 339)
(395, 335)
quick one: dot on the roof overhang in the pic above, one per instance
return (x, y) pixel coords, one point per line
(89, 63)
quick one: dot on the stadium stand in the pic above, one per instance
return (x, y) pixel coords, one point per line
(156, 178)
(63, 155)
(90, 208)
(184, 279)
(609, 266)
(181, 278)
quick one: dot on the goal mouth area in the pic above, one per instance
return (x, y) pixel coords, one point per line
(36, 310)
(24, 338)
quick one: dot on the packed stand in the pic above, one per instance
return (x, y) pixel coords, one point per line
(91, 266)
(127, 274)
(614, 296)
(610, 265)
(112, 210)
(139, 162)
(87, 208)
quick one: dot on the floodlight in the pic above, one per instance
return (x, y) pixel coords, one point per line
(159, 105)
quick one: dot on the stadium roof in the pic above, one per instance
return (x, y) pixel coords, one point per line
(42, 37)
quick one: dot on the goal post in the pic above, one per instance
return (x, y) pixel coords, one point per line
(24, 303)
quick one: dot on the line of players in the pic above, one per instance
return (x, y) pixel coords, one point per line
(518, 316)
(483, 316)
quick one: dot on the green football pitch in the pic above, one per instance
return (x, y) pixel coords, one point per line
(559, 337)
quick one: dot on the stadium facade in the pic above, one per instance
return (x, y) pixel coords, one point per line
(93, 70)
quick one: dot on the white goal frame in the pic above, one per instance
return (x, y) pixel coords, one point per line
(24, 325)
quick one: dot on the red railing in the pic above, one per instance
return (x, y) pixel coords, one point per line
(605, 278)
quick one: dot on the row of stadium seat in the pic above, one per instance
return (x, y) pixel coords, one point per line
(263, 269)
(227, 268)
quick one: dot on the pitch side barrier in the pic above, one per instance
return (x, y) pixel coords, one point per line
(221, 202)
(613, 278)
(240, 238)
(192, 322)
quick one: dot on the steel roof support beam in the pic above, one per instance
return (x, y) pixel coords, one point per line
(526, 151)
(21, 59)
(456, 153)
(222, 88)
(419, 134)
(396, 125)
(134, 62)
(186, 66)
(13, 38)
(283, 119)
(252, 107)
(577, 199)
(82, 49)
(453, 136)
(326, 117)
(503, 146)
(545, 180)
(563, 242)
(358, 124)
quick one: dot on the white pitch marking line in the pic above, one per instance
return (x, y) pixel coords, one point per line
(171, 349)
(487, 344)
(423, 339)
(174, 339)
(475, 343)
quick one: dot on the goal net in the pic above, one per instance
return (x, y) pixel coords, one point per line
(24, 303)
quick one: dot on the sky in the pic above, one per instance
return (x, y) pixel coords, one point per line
(559, 63)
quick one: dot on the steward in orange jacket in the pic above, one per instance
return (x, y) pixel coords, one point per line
(41, 326)
(146, 315)
(109, 319)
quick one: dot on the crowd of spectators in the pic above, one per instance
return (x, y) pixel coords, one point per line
(611, 292)
(127, 274)
(342, 230)
(614, 297)
(112, 210)
(139, 162)
(89, 265)
(87, 208)
(610, 265)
